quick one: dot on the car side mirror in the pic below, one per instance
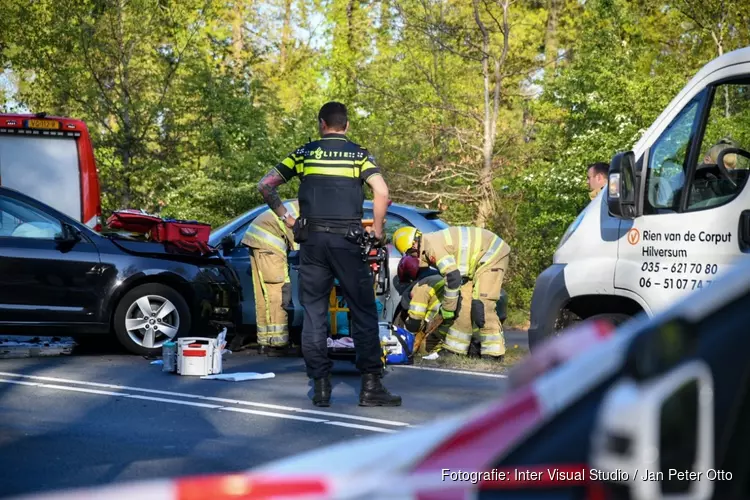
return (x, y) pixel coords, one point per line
(661, 430)
(68, 234)
(621, 189)
(227, 244)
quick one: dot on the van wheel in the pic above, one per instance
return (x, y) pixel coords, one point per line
(149, 315)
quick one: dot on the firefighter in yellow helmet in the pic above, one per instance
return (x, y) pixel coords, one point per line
(270, 240)
(473, 262)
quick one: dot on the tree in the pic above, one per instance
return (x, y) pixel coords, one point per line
(458, 72)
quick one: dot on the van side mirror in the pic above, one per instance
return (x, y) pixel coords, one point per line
(660, 429)
(621, 188)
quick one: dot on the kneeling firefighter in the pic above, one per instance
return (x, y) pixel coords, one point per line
(422, 299)
(270, 240)
(473, 262)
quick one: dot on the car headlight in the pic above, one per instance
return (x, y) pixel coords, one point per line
(571, 229)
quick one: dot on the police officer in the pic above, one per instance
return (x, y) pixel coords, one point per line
(332, 174)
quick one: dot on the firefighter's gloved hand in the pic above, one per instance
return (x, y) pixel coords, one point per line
(448, 316)
(477, 313)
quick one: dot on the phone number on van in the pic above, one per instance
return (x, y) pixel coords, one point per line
(680, 268)
(678, 284)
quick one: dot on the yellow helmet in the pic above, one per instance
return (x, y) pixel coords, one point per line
(403, 238)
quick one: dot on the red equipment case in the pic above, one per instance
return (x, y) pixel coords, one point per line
(191, 236)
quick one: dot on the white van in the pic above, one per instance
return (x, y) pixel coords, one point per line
(675, 214)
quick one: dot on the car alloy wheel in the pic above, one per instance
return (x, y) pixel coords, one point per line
(152, 320)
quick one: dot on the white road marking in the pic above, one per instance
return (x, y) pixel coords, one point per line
(328, 415)
(446, 370)
(192, 403)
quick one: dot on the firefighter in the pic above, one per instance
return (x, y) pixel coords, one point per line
(332, 172)
(473, 262)
(269, 240)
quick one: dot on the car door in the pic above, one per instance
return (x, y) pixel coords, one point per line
(688, 233)
(44, 280)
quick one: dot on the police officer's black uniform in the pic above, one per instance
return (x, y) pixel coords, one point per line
(332, 173)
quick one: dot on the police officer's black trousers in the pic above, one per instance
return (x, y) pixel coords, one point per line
(323, 257)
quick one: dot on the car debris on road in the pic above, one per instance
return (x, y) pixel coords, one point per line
(32, 347)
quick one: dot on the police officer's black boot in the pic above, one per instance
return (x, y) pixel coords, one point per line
(374, 394)
(322, 391)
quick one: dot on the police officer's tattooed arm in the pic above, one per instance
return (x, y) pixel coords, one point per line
(280, 174)
(268, 187)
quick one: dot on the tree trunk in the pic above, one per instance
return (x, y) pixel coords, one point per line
(550, 35)
(486, 205)
(128, 132)
(286, 35)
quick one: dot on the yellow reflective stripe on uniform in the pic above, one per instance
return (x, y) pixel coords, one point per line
(497, 244)
(277, 328)
(333, 171)
(457, 340)
(264, 236)
(445, 262)
(292, 209)
(367, 165)
(451, 294)
(447, 236)
(476, 244)
(459, 334)
(437, 288)
(288, 162)
(347, 163)
(464, 249)
(418, 309)
(434, 305)
(491, 338)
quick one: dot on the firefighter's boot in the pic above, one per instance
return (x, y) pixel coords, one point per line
(374, 394)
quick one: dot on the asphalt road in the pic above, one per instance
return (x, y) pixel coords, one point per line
(104, 417)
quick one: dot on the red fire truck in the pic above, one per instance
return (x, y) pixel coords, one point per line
(51, 159)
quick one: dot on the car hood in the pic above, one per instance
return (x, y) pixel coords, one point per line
(158, 250)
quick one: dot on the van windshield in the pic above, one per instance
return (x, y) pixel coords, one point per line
(43, 167)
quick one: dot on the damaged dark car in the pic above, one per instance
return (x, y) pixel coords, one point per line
(57, 276)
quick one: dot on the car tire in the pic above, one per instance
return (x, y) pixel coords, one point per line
(135, 331)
